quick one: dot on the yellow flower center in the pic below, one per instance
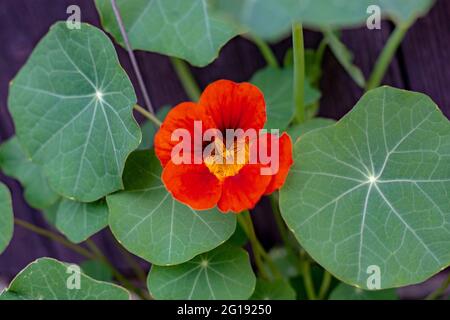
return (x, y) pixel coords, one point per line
(225, 162)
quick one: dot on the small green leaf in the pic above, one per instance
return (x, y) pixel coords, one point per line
(300, 129)
(48, 279)
(78, 221)
(15, 163)
(276, 290)
(72, 106)
(371, 192)
(96, 270)
(149, 129)
(345, 57)
(277, 87)
(284, 261)
(345, 292)
(221, 274)
(147, 221)
(6, 217)
(185, 29)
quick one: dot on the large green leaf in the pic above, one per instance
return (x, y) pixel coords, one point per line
(78, 221)
(151, 224)
(372, 191)
(6, 217)
(72, 107)
(276, 290)
(272, 19)
(97, 270)
(276, 85)
(15, 163)
(222, 274)
(345, 292)
(47, 279)
(181, 28)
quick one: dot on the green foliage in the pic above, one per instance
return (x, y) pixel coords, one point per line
(48, 279)
(276, 290)
(96, 270)
(296, 131)
(184, 29)
(345, 292)
(223, 273)
(149, 129)
(72, 107)
(372, 190)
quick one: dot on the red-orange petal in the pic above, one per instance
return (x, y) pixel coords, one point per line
(243, 191)
(192, 185)
(181, 116)
(285, 163)
(234, 105)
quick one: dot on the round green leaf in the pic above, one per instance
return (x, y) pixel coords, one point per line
(72, 107)
(97, 270)
(221, 274)
(298, 130)
(6, 217)
(15, 163)
(78, 221)
(48, 279)
(276, 290)
(276, 85)
(371, 192)
(147, 221)
(345, 292)
(185, 29)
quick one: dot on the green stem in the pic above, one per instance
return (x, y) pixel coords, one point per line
(279, 221)
(385, 58)
(55, 237)
(134, 265)
(186, 78)
(440, 291)
(299, 72)
(325, 286)
(150, 116)
(254, 243)
(266, 52)
(307, 278)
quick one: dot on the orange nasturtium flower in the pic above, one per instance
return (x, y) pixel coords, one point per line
(231, 186)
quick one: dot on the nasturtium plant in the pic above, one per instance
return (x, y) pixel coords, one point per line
(184, 29)
(361, 204)
(372, 189)
(6, 217)
(47, 279)
(72, 106)
(150, 223)
(224, 273)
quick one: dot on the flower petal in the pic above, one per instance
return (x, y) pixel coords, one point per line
(285, 162)
(192, 185)
(234, 106)
(180, 117)
(243, 191)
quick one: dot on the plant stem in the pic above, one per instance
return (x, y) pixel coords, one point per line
(307, 278)
(299, 71)
(254, 243)
(440, 291)
(55, 237)
(148, 115)
(266, 52)
(325, 286)
(134, 63)
(385, 58)
(119, 276)
(186, 78)
(135, 266)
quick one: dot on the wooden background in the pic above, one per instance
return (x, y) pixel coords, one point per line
(421, 64)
